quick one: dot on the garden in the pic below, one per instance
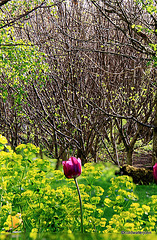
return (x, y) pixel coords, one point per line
(37, 199)
(78, 119)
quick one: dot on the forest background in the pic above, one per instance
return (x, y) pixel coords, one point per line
(79, 77)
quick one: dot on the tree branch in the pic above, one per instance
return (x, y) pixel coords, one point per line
(21, 16)
(3, 2)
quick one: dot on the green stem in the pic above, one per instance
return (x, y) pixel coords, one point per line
(81, 210)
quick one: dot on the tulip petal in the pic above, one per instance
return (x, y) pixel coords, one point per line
(155, 171)
(72, 167)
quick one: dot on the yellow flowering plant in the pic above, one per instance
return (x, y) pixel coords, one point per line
(28, 186)
(129, 215)
(36, 198)
(121, 193)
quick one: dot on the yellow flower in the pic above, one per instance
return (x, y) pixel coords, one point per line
(154, 201)
(99, 211)
(146, 209)
(89, 206)
(129, 226)
(139, 211)
(119, 199)
(34, 233)
(95, 200)
(103, 222)
(125, 215)
(115, 231)
(25, 150)
(132, 215)
(135, 205)
(129, 185)
(3, 140)
(108, 202)
(117, 208)
(152, 218)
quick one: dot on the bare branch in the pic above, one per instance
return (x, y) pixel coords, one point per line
(10, 23)
(3, 2)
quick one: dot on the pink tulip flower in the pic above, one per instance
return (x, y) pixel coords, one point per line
(155, 171)
(72, 167)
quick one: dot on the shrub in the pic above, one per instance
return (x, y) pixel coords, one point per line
(129, 215)
(36, 198)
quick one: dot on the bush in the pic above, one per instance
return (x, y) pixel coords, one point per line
(36, 198)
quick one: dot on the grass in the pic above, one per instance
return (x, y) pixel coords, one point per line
(144, 192)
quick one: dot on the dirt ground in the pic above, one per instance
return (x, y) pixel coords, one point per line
(140, 160)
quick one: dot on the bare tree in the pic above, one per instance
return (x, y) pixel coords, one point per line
(97, 76)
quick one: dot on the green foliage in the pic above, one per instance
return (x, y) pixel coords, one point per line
(129, 215)
(151, 9)
(21, 64)
(48, 202)
(28, 186)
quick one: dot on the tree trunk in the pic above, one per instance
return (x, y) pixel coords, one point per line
(129, 156)
(114, 145)
(154, 155)
(82, 156)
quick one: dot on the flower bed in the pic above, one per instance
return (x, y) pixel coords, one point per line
(36, 198)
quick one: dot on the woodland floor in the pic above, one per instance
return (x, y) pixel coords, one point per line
(141, 160)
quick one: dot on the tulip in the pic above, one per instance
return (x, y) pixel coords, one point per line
(155, 171)
(72, 169)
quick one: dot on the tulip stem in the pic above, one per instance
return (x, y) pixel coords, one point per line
(81, 210)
